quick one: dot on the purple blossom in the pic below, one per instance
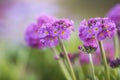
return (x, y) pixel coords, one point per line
(47, 30)
(64, 34)
(38, 35)
(54, 31)
(114, 14)
(63, 28)
(32, 36)
(56, 57)
(43, 32)
(101, 35)
(51, 41)
(96, 29)
(45, 20)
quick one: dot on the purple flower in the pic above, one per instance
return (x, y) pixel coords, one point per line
(51, 41)
(54, 31)
(43, 32)
(114, 14)
(45, 20)
(47, 30)
(32, 36)
(101, 35)
(56, 57)
(38, 35)
(63, 28)
(96, 29)
(64, 34)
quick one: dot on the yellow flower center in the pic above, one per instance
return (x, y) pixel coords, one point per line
(89, 31)
(55, 32)
(96, 29)
(101, 34)
(63, 32)
(46, 33)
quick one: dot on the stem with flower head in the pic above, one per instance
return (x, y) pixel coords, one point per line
(104, 60)
(62, 65)
(92, 66)
(67, 59)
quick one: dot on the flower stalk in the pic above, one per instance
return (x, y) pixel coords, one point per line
(92, 66)
(67, 59)
(62, 65)
(104, 60)
(116, 44)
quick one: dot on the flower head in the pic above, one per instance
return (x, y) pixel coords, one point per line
(32, 36)
(46, 31)
(114, 14)
(45, 20)
(96, 29)
(63, 28)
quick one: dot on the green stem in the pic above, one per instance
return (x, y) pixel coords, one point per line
(92, 66)
(118, 73)
(104, 60)
(116, 44)
(62, 65)
(67, 59)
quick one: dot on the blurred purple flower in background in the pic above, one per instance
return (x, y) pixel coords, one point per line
(115, 63)
(114, 14)
(32, 36)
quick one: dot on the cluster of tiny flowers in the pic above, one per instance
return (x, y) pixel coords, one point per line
(96, 29)
(46, 31)
(114, 14)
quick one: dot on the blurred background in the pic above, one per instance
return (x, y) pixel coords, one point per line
(17, 60)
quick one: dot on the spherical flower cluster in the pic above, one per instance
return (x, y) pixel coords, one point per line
(96, 29)
(114, 14)
(46, 31)
(32, 37)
